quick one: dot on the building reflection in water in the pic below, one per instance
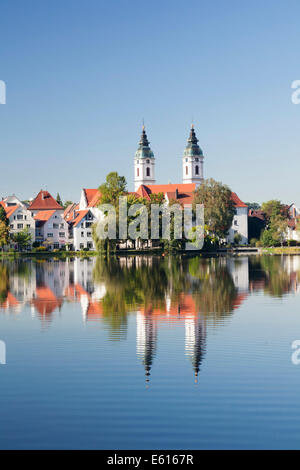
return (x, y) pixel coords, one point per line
(196, 293)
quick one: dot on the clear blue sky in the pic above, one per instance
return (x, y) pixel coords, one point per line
(81, 76)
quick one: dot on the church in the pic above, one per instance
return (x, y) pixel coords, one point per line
(81, 216)
(192, 177)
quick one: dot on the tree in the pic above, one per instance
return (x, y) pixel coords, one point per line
(253, 205)
(112, 189)
(4, 234)
(3, 217)
(23, 238)
(219, 207)
(274, 208)
(237, 238)
(58, 199)
(67, 204)
(276, 215)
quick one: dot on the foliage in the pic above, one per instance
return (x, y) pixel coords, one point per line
(253, 205)
(237, 238)
(3, 217)
(67, 204)
(4, 234)
(23, 239)
(219, 207)
(58, 199)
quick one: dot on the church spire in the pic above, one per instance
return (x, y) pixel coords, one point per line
(192, 162)
(144, 163)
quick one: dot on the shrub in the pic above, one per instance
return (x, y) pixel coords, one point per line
(253, 242)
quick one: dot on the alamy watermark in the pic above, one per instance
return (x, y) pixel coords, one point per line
(153, 222)
(2, 92)
(295, 358)
(2, 352)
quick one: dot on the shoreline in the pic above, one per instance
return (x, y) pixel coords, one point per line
(242, 251)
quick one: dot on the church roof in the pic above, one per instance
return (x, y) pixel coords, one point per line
(182, 193)
(192, 148)
(144, 150)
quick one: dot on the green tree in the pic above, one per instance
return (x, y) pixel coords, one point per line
(253, 205)
(3, 217)
(237, 238)
(67, 204)
(112, 189)
(4, 234)
(219, 207)
(58, 199)
(277, 222)
(23, 239)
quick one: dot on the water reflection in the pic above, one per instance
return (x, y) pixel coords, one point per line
(191, 292)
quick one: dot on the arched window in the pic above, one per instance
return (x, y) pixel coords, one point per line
(186, 170)
(197, 170)
(148, 171)
(138, 172)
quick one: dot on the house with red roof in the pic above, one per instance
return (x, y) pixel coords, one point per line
(19, 216)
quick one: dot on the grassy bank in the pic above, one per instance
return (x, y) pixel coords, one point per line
(285, 250)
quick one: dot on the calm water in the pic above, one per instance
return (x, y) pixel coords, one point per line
(150, 352)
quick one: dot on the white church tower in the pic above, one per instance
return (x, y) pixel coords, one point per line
(144, 163)
(192, 161)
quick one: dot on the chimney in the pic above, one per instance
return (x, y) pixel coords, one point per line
(176, 193)
(43, 197)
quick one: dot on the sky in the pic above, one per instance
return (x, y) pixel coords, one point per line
(82, 75)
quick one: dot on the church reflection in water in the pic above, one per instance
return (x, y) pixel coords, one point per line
(192, 292)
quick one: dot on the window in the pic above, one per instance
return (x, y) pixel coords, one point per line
(11, 225)
(235, 222)
(19, 226)
(197, 170)
(88, 224)
(61, 226)
(186, 170)
(197, 159)
(186, 159)
(138, 172)
(56, 246)
(28, 225)
(55, 225)
(89, 234)
(82, 234)
(49, 235)
(20, 217)
(148, 161)
(81, 246)
(148, 171)
(62, 234)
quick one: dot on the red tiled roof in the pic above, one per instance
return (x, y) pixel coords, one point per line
(9, 210)
(68, 213)
(44, 201)
(79, 216)
(185, 192)
(237, 201)
(92, 197)
(44, 215)
(257, 213)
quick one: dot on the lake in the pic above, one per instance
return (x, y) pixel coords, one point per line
(150, 353)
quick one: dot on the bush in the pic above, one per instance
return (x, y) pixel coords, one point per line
(40, 249)
(253, 242)
(237, 238)
(258, 244)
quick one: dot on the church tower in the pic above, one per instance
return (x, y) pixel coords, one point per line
(144, 163)
(192, 161)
